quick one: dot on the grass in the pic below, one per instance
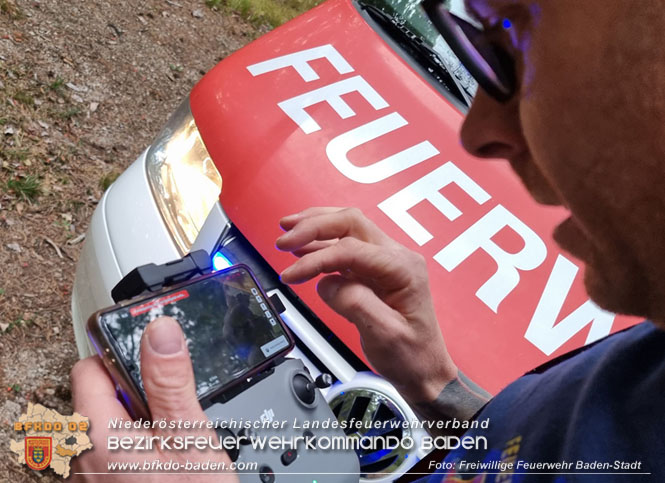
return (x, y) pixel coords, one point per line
(271, 12)
(24, 98)
(20, 322)
(16, 154)
(57, 84)
(65, 221)
(67, 114)
(9, 8)
(107, 180)
(28, 188)
(64, 224)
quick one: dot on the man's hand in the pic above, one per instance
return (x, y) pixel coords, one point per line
(380, 286)
(168, 379)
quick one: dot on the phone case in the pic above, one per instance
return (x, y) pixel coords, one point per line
(128, 393)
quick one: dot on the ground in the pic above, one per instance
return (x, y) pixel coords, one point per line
(84, 87)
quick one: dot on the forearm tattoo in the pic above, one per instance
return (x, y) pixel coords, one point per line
(460, 399)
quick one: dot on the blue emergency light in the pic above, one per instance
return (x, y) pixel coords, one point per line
(219, 262)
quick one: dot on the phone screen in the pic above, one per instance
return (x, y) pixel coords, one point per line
(228, 325)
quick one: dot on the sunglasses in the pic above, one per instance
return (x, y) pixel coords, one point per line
(490, 64)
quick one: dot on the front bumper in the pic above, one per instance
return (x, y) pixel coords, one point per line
(126, 231)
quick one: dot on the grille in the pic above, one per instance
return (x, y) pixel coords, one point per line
(372, 407)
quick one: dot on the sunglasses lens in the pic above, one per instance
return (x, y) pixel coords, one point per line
(498, 61)
(490, 65)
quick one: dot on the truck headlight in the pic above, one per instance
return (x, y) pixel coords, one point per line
(183, 178)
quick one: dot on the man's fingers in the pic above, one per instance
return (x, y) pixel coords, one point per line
(348, 222)
(167, 374)
(92, 388)
(377, 264)
(290, 221)
(313, 247)
(94, 397)
(359, 304)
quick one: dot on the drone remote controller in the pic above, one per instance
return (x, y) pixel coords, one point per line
(288, 398)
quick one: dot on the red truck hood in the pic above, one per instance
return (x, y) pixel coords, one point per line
(276, 158)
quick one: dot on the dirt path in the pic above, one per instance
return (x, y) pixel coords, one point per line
(84, 86)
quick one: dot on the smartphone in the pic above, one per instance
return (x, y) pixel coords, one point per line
(231, 329)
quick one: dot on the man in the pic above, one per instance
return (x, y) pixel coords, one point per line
(582, 125)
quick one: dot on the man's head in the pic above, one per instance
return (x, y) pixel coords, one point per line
(586, 129)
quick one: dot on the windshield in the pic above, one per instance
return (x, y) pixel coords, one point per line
(410, 25)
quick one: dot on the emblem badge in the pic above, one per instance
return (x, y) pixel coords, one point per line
(267, 416)
(38, 452)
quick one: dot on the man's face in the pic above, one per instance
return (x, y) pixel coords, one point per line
(586, 130)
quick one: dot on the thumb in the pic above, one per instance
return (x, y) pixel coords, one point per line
(166, 370)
